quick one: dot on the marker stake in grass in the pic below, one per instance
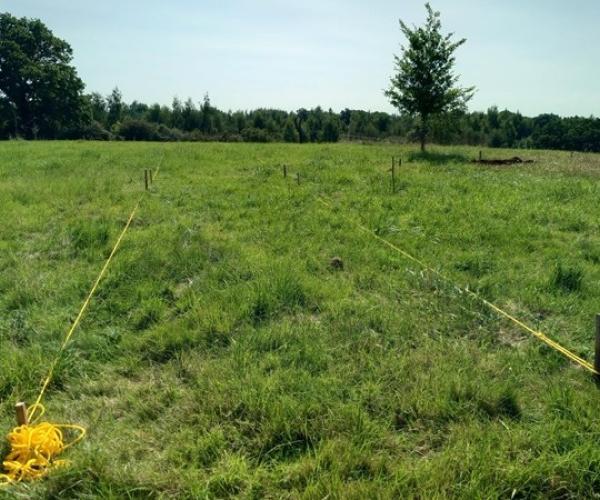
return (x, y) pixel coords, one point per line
(393, 175)
(298, 178)
(21, 409)
(597, 347)
(150, 174)
(285, 171)
(146, 179)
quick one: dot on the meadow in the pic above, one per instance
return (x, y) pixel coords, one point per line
(225, 356)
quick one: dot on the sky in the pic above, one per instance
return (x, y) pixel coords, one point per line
(532, 56)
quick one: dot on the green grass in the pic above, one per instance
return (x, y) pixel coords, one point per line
(225, 356)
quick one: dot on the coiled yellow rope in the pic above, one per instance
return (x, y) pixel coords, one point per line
(34, 448)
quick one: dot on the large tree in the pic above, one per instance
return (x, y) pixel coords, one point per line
(39, 88)
(424, 84)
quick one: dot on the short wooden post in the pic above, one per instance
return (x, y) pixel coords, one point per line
(480, 155)
(597, 348)
(285, 171)
(146, 179)
(21, 409)
(150, 174)
(393, 175)
(298, 178)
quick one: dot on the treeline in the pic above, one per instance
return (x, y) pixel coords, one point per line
(110, 118)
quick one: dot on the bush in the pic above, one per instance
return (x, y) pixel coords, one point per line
(252, 134)
(165, 133)
(138, 130)
(95, 132)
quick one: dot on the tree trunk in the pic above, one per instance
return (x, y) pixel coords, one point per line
(423, 131)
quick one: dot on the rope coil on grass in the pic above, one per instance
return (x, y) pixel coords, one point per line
(34, 448)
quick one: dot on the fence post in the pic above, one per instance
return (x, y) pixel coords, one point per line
(21, 409)
(393, 175)
(146, 179)
(597, 347)
(285, 171)
(480, 155)
(298, 178)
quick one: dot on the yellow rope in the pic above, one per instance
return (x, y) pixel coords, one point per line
(34, 445)
(539, 335)
(33, 448)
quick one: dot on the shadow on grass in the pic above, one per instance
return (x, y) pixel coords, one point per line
(437, 158)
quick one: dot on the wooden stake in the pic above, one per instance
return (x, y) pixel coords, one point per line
(146, 179)
(150, 173)
(597, 349)
(480, 155)
(285, 171)
(21, 409)
(393, 175)
(298, 178)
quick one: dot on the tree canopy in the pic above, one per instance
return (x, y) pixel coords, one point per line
(424, 84)
(40, 92)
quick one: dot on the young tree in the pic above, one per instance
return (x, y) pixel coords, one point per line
(424, 84)
(114, 102)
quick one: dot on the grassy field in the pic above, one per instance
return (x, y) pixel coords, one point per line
(224, 355)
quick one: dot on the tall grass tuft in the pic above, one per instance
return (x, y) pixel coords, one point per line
(567, 278)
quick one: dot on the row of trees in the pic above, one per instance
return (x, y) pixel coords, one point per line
(190, 121)
(114, 119)
(41, 96)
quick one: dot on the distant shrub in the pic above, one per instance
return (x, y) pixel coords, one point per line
(230, 137)
(567, 279)
(165, 133)
(138, 130)
(252, 134)
(95, 132)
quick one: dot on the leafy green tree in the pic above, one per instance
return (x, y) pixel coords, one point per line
(189, 115)
(331, 130)
(424, 84)
(99, 108)
(114, 102)
(177, 113)
(39, 88)
(314, 125)
(137, 110)
(301, 117)
(207, 112)
(290, 134)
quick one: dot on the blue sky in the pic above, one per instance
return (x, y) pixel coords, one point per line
(529, 55)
